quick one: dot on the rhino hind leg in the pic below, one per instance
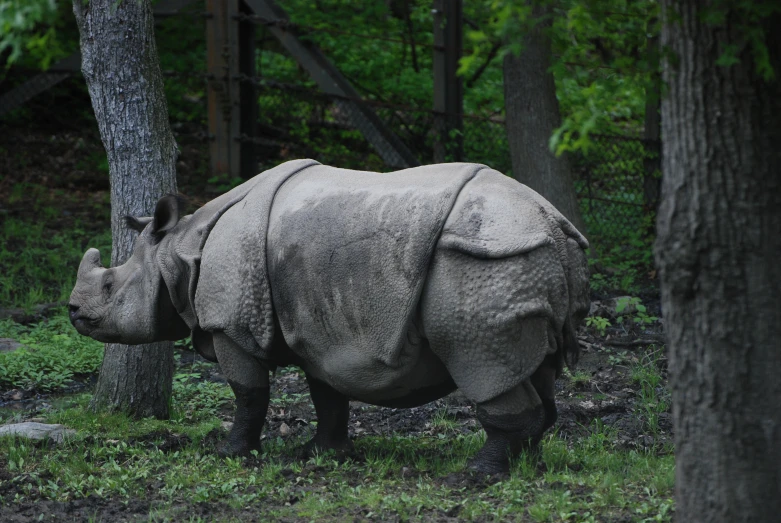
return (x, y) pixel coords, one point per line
(544, 382)
(492, 323)
(333, 412)
(513, 421)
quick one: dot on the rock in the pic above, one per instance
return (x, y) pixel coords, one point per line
(284, 430)
(37, 431)
(226, 425)
(9, 345)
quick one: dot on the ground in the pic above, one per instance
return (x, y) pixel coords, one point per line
(608, 459)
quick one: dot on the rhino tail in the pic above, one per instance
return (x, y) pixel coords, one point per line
(571, 347)
(568, 350)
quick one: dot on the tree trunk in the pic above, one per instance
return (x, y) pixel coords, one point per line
(532, 115)
(120, 65)
(718, 252)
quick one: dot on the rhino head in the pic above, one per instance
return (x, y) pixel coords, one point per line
(130, 303)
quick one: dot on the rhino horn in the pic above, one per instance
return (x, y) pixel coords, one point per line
(91, 260)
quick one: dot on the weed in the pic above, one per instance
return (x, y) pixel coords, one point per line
(196, 400)
(52, 355)
(598, 323)
(444, 422)
(653, 397)
(632, 307)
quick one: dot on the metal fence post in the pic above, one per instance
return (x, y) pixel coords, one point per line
(448, 87)
(222, 62)
(248, 96)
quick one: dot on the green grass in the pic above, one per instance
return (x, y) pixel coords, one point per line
(52, 354)
(585, 478)
(38, 255)
(653, 396)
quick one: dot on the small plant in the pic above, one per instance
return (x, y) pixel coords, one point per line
(598, 323)
(578, 377)
(51, 356)
(444, 422)
(653, 397)
(633, 307)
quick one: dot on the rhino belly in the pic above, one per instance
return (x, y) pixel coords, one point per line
(415, 384)
(417, 378)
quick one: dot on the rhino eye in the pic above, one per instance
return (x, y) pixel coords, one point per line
(108, 286)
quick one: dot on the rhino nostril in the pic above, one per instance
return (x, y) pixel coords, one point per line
(73, 310)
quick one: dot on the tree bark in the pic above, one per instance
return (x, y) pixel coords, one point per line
(532, 116)
(121, 67)
(718, 252)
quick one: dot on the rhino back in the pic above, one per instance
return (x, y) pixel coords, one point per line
(497, 217)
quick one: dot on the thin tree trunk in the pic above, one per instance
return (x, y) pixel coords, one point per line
(121, 67)
(532, 115)
(718, 251)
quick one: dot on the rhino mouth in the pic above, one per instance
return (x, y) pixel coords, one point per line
(85, 324)
(82, 322)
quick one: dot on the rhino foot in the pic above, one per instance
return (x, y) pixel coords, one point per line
(333, 411)
(513, 422)
(342, 449)
(233, 449)
(488, 467)
(251, 407)
(495, 456)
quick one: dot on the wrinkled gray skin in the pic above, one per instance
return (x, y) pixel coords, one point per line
(392, 289)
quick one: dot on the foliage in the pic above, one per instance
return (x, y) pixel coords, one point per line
(653, 397)
(600, 59)
(749, 21)
(598, 323)
(30, 27)
(631, 307)
(53, 354)
(182, 53)
(195, 399)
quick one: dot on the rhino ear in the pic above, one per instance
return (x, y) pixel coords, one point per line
(137, 224)
(166, 215)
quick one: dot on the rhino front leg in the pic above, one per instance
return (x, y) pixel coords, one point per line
(512, 421)
(333, 411)
(249, 380)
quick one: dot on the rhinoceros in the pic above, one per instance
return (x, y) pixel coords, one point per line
(392, 289)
